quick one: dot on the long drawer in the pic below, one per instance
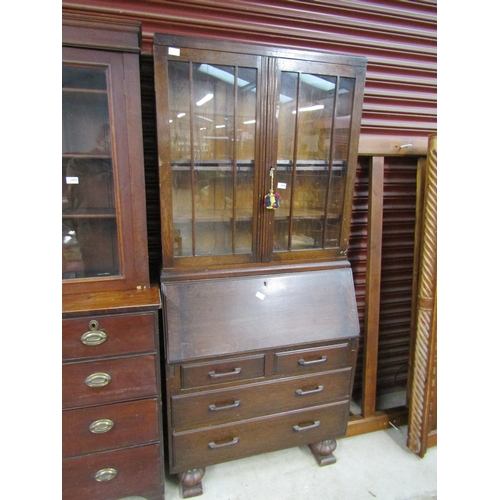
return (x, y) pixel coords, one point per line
(248, 401)
(112, 475)
(108, 335)
(207, 446)
(108, 427)
(108, 380)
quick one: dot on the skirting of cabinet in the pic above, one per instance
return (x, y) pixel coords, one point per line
(115, 474)
(197, 448)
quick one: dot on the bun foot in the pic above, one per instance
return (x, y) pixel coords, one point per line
(323, 451)
(191, 482)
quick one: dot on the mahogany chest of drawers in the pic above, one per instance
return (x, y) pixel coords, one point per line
(256, 364)
(112, 432)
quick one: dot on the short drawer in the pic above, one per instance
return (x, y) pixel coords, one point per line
(108, 335)
(315, 359)
(109, 427)
(229, 370)
(112, 475)
(213, 407)
(192, 449)
(108, 380)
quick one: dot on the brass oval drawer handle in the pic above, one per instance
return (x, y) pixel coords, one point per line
(105, 474)
(213, 374)
(94, 336)
(101, 426)
(300, 392)
(299, 428)
(303, 362)
(98, 379)
(226, 407)
(213, 445)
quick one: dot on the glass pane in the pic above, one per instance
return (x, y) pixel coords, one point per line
(342, 126)
(212, 116)
(307, 103)
(246, 117)
(180, 147)
(89, 234)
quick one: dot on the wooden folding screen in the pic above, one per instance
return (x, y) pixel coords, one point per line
(422, 422)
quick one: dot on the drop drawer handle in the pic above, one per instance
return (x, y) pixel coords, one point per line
(101, 426)
(300, 392)
(94, 336)
(225, 407)
(213, 445)
(299, 428)
(105, 474)
(98, 379)
(312, 361)
(213, 374)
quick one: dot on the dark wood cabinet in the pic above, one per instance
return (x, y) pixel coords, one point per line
(104, 240)
(111, 396)
(112, 436)
(257, 152)
(256, 364)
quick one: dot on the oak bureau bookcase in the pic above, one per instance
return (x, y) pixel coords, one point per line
(112, 415)
(257, 154)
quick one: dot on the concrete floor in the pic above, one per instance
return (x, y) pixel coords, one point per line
(377, 465)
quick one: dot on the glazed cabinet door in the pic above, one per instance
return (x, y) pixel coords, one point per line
(257, 152)
(103, 208)
(318, 112)
(208, 126)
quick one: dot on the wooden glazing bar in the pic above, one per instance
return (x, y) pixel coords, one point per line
(191, 147)
(235, 159)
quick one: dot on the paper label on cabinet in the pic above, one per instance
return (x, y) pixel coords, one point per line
(281, 185)
(71, 180)
(174, 51)
(260, 295)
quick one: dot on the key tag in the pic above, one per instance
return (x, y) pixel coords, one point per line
(271, 201)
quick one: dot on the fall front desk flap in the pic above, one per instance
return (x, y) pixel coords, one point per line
(214, 317)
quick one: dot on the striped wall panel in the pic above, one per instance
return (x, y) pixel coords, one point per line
(399, 39)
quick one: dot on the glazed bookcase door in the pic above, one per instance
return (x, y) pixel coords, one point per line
(97, 214)
(314, 158)
(208, 126)
(241, 126)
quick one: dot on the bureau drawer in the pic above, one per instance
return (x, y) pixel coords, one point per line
(108, 427)
(108, 380)
(108, 335)
(138, 472)
(229, 370)
(315, 359)
(193, 449)
(220, 406)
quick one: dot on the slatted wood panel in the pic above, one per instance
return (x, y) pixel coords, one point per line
(357, 256)
(399, 39)
(397, 267)
(397, 272)
(151, 165)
